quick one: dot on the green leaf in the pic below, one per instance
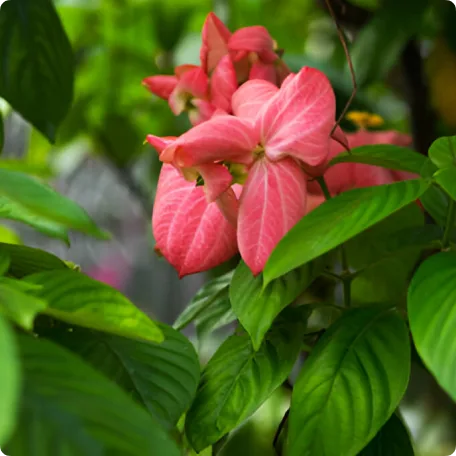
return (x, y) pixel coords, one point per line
(36, 69)
(27, 260)
(5, 261)
(256, 308)
(443, 152)
(384, 155)
(446, 178)
(350, 384)
(163, 377)
(77, 299)
(393, 439)
(432, 315)
(2, 133)
(28, 168)
(238, 379)
(10, 381)
(210, 309)
(41, 200)
(435, 201)
(378, 45)
(68, 408)
(338, 220)
(17, 305)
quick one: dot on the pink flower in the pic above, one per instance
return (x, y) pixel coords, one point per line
(272, 133)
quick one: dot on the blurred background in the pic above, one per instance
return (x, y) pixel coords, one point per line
(404, 53)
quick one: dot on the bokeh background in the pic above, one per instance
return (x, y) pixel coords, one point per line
(404, 53)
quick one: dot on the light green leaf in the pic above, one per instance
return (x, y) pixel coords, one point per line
(7, 234)
(432, 316)
(163, 377)
(238, 379)
(10, 381)
(446, 178)
(338, 220)
(70, 409)
(28, 260)
(384, 155)
(350, 385)
(443, 152)
(77, 299)
(27, 168)
(392, 439)
(41, 200)
(210, 309)
(256, 308)
(37, 65)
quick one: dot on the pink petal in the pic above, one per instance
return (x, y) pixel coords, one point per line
(250, 98)
(228, 204)
(265, 71)
(217, 179)
(181, 69)
(203, 111)
(299, 119)
(162, 86)
(215, 38)
(254, 39)
(190, 233)
(272, 201)
(222, 137)
(340, 137)
(159, 143)
(223, 84)
(364, 137)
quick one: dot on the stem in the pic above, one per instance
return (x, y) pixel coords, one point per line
(279, 431)
(449, 225)
(321, 181)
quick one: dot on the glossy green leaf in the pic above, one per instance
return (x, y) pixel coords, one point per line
(350, 384)
(443, 152)
(338, 220)
(435, 201)
(392, 439)
(28, 260)
(210, 309)
(36, 69)
(5, 261)
(432, 316)
(378, 45)
(42, 200)
(384, 155)
(238, 379)
(446, 178)
(27, 168)
(163, 377)
(77, 299)
(68, 408)
(256, 308)
(10, 381)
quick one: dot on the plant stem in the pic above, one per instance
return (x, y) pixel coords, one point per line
(322, 183)
(449, 225)
(275, 442)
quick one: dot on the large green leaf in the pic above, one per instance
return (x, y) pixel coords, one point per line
(36, 69)
(20, 165)
(238, 379)
(41, 200)
(28, 260)
(435, 201)
(210, 309)
(77, 299)
(350, 385)
(2, 133)
(443, 152)
(379, 44)
(446, 178)
(68, 408)
(338, 220)
(384, 155)
(392, 439)
(432, 316)
(5, 262)
(256, 308)
(10, 380)
(163, 377)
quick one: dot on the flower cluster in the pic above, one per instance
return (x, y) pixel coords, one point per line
(239, 180)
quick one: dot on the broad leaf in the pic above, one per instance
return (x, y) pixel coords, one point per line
(2, 133)
(5, 261)
(28, 168)
(432, 315)
(27, 260)
(163, 377)
(443, 152)
(77, 299)
(350, 385)
(238, 379)
(41, 200)
(68, 408)
(210, 309)
(392, 439)
(338, 220)
(36, 69)
(446, 178)
(384, 155)
(10, 380)
(435, 201)
(256, 308)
